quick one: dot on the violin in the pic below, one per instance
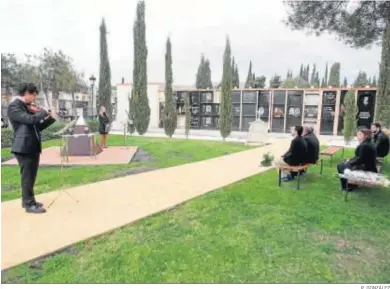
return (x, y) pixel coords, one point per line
(33, 108)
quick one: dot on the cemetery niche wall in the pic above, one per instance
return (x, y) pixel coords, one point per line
(278, 111)
(249, 108)
(236, 109)
(340, 124)
(209, 111)
(328, 112)
(195, 109)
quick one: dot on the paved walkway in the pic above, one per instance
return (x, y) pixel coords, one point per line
(110, 204)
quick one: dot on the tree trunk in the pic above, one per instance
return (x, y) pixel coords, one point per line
(54, 100)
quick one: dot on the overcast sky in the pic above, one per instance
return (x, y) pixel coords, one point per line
(255, 29)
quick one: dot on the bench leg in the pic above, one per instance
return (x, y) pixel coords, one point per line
(342, 157)
(321, 164)
(346, 193)
(331, 161)
(299, 180)
(280, 178)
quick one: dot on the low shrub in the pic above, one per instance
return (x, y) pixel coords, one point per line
(93, 125)
(7, 134)
(6, 137)
(267, 160)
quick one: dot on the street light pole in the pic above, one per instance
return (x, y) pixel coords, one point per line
(92, 79)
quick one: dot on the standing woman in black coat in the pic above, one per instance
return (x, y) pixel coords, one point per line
(103, 126)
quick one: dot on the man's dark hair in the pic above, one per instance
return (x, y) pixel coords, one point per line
(27, 87)
(377, 125)
(299, 130)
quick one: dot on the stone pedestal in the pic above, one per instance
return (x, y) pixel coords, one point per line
(258, 132)
(81, 142)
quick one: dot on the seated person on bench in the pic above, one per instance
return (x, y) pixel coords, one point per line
(295, 156)
(380, 140)
(313, 145)
(365, 158)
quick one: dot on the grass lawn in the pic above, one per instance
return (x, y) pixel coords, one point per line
(248, 232)
(164, 153)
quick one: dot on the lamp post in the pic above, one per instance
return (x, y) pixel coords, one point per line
(92, 79)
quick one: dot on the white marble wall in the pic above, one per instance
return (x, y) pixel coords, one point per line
(123, 93)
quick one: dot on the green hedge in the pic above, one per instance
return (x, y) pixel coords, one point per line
(48, 134)
(93, 125)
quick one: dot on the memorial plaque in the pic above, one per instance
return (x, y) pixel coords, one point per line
(366, 107)
(294, 108)
(249, 96)
(263, 106)
(310, 114)
(236, 123)
(236, 96)
(278, 111)
(328, 112)
(206, 97)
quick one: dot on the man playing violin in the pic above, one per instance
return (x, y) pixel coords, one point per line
(28, 121)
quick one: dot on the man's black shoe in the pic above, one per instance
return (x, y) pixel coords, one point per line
(34, 209)
(38, 204)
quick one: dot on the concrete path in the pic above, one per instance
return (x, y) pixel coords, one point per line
(110, 204)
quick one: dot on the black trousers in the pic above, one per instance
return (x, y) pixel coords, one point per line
(340, 169)
(28, 164)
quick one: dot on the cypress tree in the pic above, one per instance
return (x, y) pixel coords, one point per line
(313, 76)
(345, 82)
(301, 72)
(317, 83)
(323, 83)
(200, 74)
(250, 77)
(350, 111)
(236, 77)
(326, 76)
(334, 76)
(373, 83)
(104, 90)
(169, 112)
(225, 118)
(307, 72)
(140, 89)
(361, 80)
(187, 109)
(130, 115)
(208, 84)
(382, 109)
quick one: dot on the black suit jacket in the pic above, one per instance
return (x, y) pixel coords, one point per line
(27, 127)
(365, 157)
(296, 155)
(382, 144)
(313, 148)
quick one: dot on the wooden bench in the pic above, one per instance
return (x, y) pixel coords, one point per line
(360, 183)
(295, 169)
(331, 151)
